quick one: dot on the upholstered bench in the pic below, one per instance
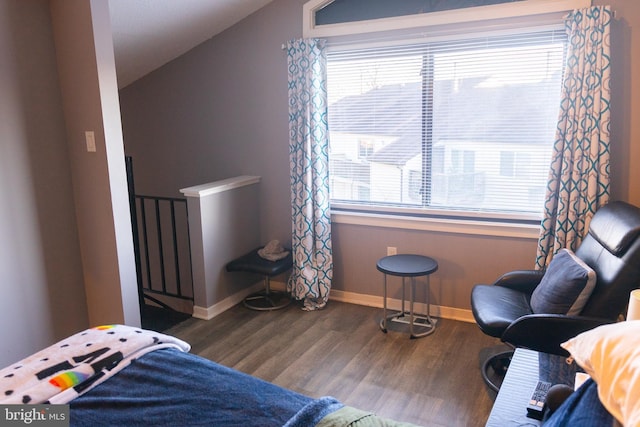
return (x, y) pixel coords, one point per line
(266, 299)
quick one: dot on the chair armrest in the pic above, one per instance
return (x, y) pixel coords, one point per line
(545, 332)
(521, 280)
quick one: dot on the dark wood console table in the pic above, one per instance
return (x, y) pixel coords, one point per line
(526, 369)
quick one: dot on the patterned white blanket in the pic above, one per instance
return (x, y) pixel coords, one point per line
(65, 370)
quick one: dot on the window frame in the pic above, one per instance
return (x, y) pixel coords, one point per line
(524, 8)
(441, 26)
(425, 209)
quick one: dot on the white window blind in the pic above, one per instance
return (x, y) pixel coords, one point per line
(462, 125)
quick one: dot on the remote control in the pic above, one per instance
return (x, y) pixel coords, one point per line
(535, 408)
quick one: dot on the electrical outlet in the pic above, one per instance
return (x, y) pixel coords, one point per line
(392, 250)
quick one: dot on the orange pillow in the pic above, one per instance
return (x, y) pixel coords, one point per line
(611, 355)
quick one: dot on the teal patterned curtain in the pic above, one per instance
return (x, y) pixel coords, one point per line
(579, 178)
(309, 161)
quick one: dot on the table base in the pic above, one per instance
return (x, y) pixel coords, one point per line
(427, 322)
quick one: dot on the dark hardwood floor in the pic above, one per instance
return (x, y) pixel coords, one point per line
(160, 319)
(340, 351)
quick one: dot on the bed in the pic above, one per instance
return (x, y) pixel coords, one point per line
(120, 375)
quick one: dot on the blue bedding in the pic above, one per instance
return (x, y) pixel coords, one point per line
(170, 387)
(116, 375)
(582, 408)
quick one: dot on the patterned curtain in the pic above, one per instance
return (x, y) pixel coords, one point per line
(309, 161)
(579, 178)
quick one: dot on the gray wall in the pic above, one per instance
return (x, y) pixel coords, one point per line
(221, 110)
(217, 112)
(223, 225)
(42, 297)
(66, 251)
(87, 76)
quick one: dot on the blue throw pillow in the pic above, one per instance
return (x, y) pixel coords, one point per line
(565, 287)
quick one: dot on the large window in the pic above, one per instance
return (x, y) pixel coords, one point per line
(463, 125)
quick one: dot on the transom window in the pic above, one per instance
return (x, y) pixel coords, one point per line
(463, 125)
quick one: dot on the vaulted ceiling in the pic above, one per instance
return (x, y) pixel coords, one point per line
(149, 33)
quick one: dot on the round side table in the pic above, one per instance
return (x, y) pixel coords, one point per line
(406, 265)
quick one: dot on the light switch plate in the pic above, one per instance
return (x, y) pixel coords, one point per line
(90, 138)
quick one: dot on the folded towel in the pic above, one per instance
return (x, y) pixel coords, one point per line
(273, 251)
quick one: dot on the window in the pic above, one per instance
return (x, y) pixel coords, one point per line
(339, 12)
(507, 163)
(462, 125)
(322, 18)
(514, 164)
(365, 148)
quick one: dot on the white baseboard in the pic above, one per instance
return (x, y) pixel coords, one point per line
(395, 304)
(443, 312)
(208, 313)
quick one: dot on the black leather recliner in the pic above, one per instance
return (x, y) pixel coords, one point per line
(611, 249)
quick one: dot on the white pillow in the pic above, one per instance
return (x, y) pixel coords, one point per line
(611, 355)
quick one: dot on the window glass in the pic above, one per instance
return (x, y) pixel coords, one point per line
(340, 11)
(463, 125)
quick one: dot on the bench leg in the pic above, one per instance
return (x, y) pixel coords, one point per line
(267, 300)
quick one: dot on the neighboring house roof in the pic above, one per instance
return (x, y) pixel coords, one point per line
(397, 153)
(383, 111)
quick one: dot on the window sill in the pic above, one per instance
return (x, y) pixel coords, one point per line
(442, 225)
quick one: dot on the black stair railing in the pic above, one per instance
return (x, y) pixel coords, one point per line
(161, 244)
